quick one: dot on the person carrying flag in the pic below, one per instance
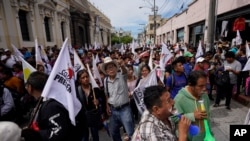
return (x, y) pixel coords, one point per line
(51, 121)
(116, 90)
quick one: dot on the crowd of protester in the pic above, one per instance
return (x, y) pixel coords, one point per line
(187, 79)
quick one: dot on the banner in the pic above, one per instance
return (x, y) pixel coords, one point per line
(60, 85)
(138, 95)
(239, 24)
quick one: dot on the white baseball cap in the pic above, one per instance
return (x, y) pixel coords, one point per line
(200, 59)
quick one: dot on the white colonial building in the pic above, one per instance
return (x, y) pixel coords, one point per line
(51, 21)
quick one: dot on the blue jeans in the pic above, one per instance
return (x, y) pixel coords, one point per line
(118, 118)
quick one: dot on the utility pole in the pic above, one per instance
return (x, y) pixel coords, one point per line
(211, 25)
(154, 23)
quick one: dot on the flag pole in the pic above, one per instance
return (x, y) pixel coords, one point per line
(91, 77)
(96, 106)
(33, 115)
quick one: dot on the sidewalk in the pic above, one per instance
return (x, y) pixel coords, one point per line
(221, 118)
(244, 100)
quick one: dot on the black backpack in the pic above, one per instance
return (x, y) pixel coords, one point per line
(223, 79)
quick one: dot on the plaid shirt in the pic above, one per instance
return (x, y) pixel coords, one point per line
(152, 129)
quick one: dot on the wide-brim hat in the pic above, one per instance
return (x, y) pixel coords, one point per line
(106, 61)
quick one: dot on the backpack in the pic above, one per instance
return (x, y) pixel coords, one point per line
(247, 90)
(223, 79)
(173, 80)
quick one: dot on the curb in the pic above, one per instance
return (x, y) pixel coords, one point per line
(244, 100)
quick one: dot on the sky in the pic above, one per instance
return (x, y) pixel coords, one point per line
(127, 15)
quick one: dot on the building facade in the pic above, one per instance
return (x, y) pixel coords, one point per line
(191, 25)
(150, 28)
(50, 22)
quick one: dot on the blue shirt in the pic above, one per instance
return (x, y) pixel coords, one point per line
(187, 68)
(180, 81)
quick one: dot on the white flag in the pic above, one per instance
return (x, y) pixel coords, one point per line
(96, 72)
(247, 66)
(27, 69)
(92, 80)
(165, 56)
(86, 47)
(238, 38)
(97, 59)
(78, 65)
(95, 47)
(121, 50)
(109, 48)
(44, 54)
(50, 51)
(150, 62)
(61, 84)
(138, 95)
(199, 52)
(223, 27)
(133, 47)
(247, 50)
(17, 53)
(38, 54)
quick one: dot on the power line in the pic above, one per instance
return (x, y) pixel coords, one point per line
(163, 5)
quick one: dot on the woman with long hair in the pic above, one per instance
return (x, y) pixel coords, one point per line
(89, 99)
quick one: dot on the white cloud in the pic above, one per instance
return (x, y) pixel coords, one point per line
(126, 14)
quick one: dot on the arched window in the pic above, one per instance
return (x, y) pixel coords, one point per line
(24, 25)
(81, 35)
(63, 30)
(47, 29)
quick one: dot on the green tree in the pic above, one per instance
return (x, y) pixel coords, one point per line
(114, 39)
(126, 39)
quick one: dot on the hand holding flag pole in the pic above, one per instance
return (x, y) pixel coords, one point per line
(34, 113)
(93, 84)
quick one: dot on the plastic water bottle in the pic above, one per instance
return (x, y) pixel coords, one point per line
(193, 129)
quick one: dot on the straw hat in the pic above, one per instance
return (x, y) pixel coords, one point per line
(107, 61)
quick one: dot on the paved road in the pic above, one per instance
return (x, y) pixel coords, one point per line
(221, 120)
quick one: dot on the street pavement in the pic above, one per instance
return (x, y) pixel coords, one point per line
(221, 119)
